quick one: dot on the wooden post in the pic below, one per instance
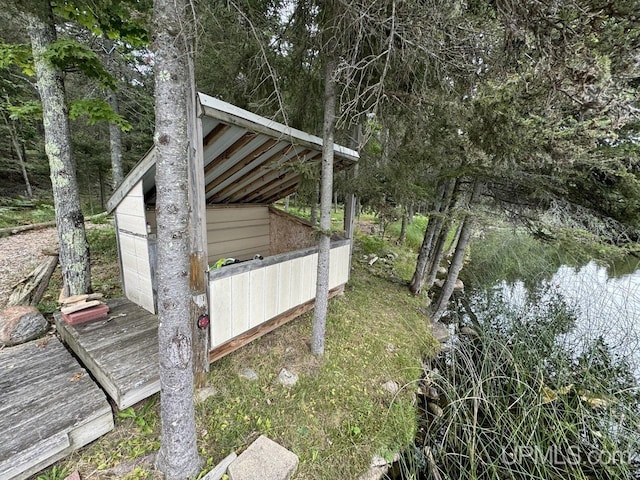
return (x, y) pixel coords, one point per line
(198, 233)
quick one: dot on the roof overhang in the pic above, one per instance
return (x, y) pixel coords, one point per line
(247, 158)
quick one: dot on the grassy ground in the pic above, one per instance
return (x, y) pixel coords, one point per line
(335, 418)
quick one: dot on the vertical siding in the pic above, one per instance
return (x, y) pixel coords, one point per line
(243, 301)
(134, 250)
(237, 232)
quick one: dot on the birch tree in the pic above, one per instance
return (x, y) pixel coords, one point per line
(74, 249)
(178, 456)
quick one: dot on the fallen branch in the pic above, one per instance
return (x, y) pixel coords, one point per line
(5, 232)
(30, 289)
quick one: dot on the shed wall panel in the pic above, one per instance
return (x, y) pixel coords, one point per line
(241, 298)
(246, 299)
(237, 232)
(134, 249)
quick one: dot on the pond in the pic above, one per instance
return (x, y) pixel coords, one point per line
(542, 379)
(605, 301)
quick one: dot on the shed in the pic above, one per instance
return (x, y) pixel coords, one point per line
(247, 163)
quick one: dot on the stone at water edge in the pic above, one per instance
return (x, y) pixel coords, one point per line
(21, 324)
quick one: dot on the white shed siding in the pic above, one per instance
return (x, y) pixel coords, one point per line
(237, 232)
(134, 249)
(244, 300)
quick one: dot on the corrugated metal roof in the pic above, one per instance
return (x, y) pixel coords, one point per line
(247, 158)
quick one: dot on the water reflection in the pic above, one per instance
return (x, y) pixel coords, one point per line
(605, 303)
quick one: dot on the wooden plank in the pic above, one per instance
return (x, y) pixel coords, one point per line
(220, 302)
(215, 227)
(133, 179)
(236, 116)
(271, 274)
(50, 407)
(270, 260)
(284, 287)
(241, 297)
(266, 327)
(285, 153)
(228, 153)
(263, 194)
(281, 194)
(297, 285)
(215, 133)
(259, 245)
(80, 306)
(260, 176)
(256, 297)
(229, 213)
(121, 352)
(249, 159)
(240, 233)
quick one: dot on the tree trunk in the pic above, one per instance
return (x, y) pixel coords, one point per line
(457, 261)
(443, 198)
(74, 249)
(454, 242)
(410, 213)
(178, 456)
(322, 288)
(437, 253)
(313, 213)
(286, 203)
(19, 148)
(403, 228)
(115, 143)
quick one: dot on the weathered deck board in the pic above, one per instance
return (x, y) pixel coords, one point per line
(49, 406)
(120, 351)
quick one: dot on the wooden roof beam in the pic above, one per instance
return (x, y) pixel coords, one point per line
(261, 175)
(263, 196)
(237, 145)
(246, 161)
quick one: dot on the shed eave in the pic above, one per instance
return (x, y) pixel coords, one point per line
(240, 155)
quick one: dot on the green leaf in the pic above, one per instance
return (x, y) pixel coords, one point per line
(28, 110)
(97, 110)
(18, 55)
(69, 55)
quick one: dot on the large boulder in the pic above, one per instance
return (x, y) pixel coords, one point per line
(20, 324)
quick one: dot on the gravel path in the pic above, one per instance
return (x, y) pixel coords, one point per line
(19, 254)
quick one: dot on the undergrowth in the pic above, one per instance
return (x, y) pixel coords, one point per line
(339, 414)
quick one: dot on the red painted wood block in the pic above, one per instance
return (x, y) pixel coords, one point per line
(94, 313)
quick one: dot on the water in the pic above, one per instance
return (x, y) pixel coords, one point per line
(605, 301)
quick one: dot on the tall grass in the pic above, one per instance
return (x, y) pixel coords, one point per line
(521, 402)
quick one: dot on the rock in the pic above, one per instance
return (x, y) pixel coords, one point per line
(435, 409)
(248, 374)
(440, 331)
(74, 476)
(459, 286)
(203, 393)
(469, 332)
(439, 282)
(264, 460)
(442, 270)
(286, 378)
(373, 260)
(391, 386)
(378, 461)
(20, 324)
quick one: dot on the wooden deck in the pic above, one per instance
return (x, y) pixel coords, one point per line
(49, 406)
(121, 351)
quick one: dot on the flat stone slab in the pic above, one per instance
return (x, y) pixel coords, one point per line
(264, 460)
